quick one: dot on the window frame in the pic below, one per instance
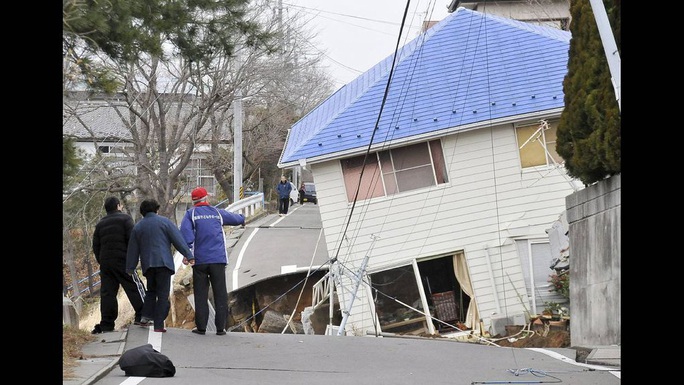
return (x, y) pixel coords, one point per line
(394, 171)
(532, 153)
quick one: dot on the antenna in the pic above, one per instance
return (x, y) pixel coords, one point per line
(358, 277)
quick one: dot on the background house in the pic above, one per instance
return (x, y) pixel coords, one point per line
(437, 176)
(96, 123)
(549, 13)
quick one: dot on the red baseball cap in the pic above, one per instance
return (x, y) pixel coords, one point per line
(198, 194)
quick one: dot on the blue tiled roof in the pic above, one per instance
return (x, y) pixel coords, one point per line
(468, 68)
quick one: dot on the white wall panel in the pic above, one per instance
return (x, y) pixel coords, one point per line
(486, 201)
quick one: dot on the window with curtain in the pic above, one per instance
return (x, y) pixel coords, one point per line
(393, 171)
(537, 144)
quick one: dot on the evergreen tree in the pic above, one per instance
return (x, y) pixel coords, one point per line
(71, 162)
(589, 128)
(126, 30)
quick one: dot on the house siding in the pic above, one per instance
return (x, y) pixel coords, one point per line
(487, 201)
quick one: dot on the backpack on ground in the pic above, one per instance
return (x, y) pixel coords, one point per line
(144, 361)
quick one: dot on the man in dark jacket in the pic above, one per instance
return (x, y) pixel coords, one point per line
(202, 228)
(110, 243)
(150, 244)
(284, 188)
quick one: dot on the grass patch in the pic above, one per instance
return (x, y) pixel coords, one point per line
(73, 340)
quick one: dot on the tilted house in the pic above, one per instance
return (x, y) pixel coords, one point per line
(437, 177)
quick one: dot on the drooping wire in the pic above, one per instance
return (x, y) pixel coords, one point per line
(377, 121)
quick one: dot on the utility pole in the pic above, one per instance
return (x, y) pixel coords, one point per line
(284, 40)
(609, 46)
(237, 146)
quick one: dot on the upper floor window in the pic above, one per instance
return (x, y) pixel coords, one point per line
(198, 172)
(393, 171)
(116, 150)
(537, 144)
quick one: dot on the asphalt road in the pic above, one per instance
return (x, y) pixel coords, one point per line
(273, 245)
(258, 358)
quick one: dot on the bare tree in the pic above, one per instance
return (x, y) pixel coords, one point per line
(167, 109)
(171, 109)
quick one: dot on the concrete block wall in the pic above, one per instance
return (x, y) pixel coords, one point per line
(593, 216)
(69, 313)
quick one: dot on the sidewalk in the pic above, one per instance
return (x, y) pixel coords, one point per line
(100, 357)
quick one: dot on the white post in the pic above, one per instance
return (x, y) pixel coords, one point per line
(609, 45)
(237, 145)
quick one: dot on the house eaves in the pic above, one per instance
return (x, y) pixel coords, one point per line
(469, 71)
(532, 117)
(106, 119)
(93, 120)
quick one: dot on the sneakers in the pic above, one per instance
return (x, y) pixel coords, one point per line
(144, 322)
(221, 333)
(99, 330)
(162, 330)
(197, 331)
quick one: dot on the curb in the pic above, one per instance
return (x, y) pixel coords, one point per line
(605, 356)
(102, 351)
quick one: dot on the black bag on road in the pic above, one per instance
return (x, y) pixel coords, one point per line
(144, 361)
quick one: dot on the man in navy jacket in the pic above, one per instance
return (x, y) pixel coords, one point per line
(150, 243)
(202, 229)
(284, 188)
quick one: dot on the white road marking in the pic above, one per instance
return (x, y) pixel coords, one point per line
(238, 263)
(155, 339)
(563, 358)
(133, 380)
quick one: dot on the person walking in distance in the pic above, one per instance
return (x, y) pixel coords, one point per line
(150, 244)
(202, 229)
(302, 191)
(283, 188)
(110, 243)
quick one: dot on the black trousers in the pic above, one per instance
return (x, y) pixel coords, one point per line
(283, 205)
(203, 275)
(157, 304)
(113, 276)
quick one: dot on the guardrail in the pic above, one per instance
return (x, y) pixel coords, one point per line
(68, 289)
(247, 206)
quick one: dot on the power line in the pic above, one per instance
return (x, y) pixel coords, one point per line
(311, 10)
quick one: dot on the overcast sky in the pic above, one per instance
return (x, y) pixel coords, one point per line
(355, 35)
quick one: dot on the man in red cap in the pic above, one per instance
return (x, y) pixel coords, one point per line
(202, 228)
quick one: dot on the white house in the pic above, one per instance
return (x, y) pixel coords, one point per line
(437, 177)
